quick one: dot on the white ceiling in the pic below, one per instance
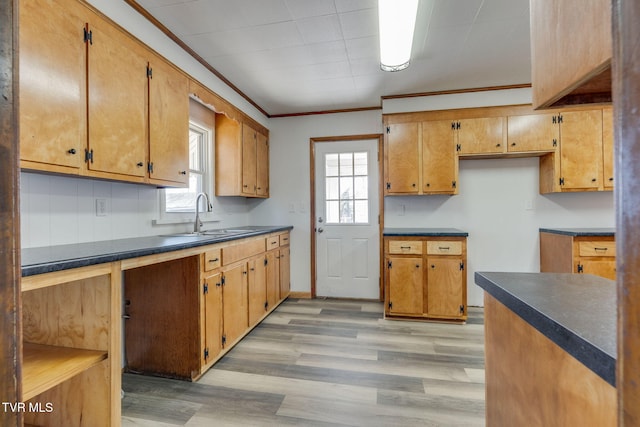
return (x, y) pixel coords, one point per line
(294, 56)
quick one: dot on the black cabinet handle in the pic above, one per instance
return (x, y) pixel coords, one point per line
(214, 260)
(182, 172)
(72, 151)
(139, 164)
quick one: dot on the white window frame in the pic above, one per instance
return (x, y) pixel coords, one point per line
(207, 182)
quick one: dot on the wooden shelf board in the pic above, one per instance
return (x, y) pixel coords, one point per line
(45, 366)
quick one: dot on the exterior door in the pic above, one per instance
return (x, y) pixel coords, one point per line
(346, 223)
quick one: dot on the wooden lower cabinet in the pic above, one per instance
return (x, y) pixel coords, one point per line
(578, 252)
(71, 352)
(184, 314)
(425, 277)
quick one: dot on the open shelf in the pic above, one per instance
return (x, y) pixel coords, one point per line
(45, 366)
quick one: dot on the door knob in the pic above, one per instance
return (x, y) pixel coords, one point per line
(320, 230)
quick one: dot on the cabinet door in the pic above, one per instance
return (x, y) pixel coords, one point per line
(262, 165)
(533, 132)
(405, 281)
(168, 123)
(273, 279)
(439, 163)
(212, 317)
(234, 300)
(249, 178)
(285, 279)
(402, 159)
(581, 150)
(607, 148)
(445, 291)
(117, 102)
(53, 121)
(480, 136)
(603, 268)
(257, 285)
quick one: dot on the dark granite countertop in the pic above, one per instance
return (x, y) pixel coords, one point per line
(64, 257)
(575, 311)
(575, 232)
(436, 232)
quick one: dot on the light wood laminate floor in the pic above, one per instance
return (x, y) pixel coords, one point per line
(328, 363)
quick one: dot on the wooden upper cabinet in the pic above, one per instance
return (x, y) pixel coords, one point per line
(581, 150)
(242, 159)
(168, 123)
(117, 74)
(262, 165)
(532, 132)
(439, 163)
(53, 122)
(479, 136)
(249, 165)
(607, 148)
(571, 49)
(402, 159)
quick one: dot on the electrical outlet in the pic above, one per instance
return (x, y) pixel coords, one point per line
(101, 207)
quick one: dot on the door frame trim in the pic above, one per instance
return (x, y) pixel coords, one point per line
(312, 209)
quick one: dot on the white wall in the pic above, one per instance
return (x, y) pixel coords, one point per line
(58, 210)
(492, 207)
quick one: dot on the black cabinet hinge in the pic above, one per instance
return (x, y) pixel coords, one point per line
(389, 264)
(390, 305)
(457, 125)
(150, 167)
(205, 288)
(555, 142)
(461, 309)
(206, 353)
(453, 125)
(88, 155)
(453, 184)
(580, 268)
(561, 181)
(149, 72)
(388, 129)
(388, 186)
(266, 305)
(224, 340)
(462, 266)
(458, 147)
(560, 118)
(88, 36)
(222, 281)
(266, 261)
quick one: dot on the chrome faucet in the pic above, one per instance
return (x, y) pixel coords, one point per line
(197, 225)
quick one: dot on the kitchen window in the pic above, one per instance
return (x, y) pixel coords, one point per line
(176, 201)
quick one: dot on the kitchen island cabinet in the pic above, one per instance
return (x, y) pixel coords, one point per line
(425, 275)
(578, 250)
(550, 349)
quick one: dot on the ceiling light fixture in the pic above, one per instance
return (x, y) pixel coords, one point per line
(397, 21)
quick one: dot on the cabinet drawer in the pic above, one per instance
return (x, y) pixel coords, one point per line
(212, 259)
(284, 239)
(273, 242)
(444, 247)
(236, 252)
(597, 248)
(410, 247)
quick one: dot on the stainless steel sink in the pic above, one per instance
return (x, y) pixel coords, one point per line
(220, 232)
